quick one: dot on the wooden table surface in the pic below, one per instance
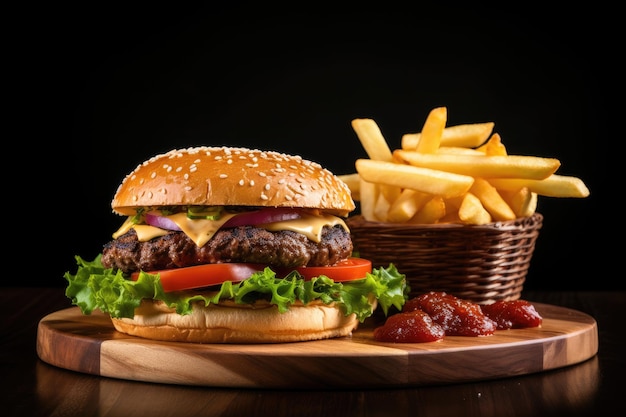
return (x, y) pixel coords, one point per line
(32, 387)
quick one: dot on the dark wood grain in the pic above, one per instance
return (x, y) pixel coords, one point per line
(89, 344)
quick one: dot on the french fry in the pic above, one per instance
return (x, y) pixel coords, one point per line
(406, 205)
(492, 200)
(472, 211)
(457, 174)
(493, 147)
(464, 136)
(457, 150)
(432, 131)
(381, 208)
(445, 184)
(372, 139)
(512, 166)
(369, 194)
(433, 210)
(390, 192)
(452, 209)
(453, 203)
(523, 202)
(553, 186)
(353, 181)
(376, 147)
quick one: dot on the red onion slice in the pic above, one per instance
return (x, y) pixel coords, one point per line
(251, 218)
(263, 216)
(162, 222)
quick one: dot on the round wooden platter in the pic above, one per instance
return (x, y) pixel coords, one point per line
(89, 344)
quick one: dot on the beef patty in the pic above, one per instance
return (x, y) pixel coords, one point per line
(239, 244)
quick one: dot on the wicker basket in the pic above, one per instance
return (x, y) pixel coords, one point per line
(483, 264)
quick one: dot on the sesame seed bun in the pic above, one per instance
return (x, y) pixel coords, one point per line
(228, 322)
(226, 176)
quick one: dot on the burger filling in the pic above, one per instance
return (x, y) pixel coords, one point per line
(175, 249)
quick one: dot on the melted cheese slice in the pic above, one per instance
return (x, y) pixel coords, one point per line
(146, 232)
(201, 230)
(309, 225)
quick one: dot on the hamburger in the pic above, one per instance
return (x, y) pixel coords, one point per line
(233, 245)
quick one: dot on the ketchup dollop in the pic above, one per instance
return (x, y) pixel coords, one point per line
(431, 316)
(414, 326)
(458, 317)
(516, 314)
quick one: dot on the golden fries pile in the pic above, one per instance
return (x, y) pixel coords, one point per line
(451, 174)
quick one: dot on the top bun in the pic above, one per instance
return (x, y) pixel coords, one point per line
(224, 176)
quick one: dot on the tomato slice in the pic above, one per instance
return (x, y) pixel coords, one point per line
(199, 276)
(348, 270)
(179, 279)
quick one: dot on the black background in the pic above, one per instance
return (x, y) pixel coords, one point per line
(102, 89)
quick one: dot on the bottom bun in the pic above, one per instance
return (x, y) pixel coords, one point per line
(228, 322)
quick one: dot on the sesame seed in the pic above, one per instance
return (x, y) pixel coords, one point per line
(251, 183)
(262, 174)
(186, 176)
(264, 197)
(223, 175)
(241, 182)
(267, 187)
(153, 175)
(187, 188)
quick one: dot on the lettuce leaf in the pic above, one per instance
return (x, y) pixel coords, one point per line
(95, 287)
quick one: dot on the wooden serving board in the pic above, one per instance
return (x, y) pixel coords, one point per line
(89, 344)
